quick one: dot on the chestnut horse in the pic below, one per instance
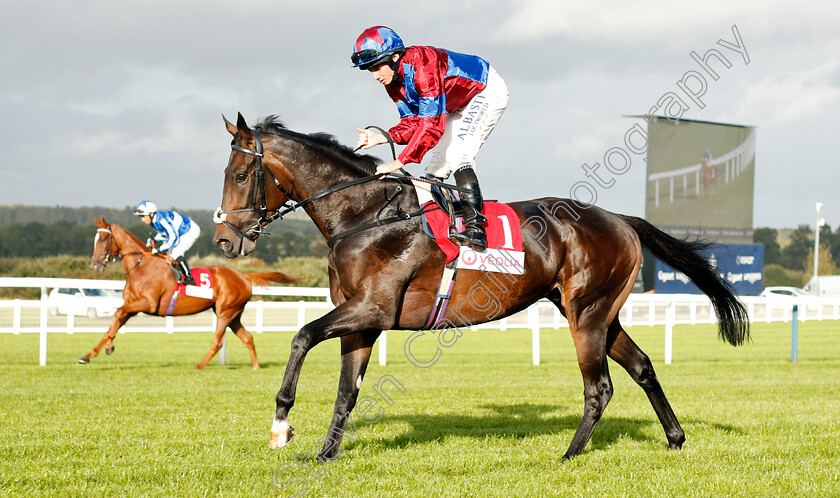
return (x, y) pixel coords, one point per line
(709, 175)
(149, 283)
(385, 276)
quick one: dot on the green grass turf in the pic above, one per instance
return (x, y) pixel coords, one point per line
(482, 421)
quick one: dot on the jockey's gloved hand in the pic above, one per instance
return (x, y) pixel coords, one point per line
(155, 251)
(160, 236)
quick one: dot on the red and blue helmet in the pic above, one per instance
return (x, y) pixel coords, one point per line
(375, 44)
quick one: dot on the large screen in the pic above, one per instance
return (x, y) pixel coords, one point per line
(700, 179)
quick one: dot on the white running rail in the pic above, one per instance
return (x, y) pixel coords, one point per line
(28, 316)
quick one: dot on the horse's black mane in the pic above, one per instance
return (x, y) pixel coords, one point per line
(363, 164)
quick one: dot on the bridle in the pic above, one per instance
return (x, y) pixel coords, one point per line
(260, 208)
(258, 204)
(110, 253)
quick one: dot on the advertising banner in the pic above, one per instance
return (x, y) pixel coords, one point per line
(741, 265)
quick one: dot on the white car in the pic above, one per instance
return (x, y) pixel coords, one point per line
(91, 303)
(794, 295)
(783, 292)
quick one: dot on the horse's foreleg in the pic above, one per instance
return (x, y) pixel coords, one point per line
(243, 334)
(626, 353)
(358, 314)
(216, 344)
(355, 354)
(120, 317)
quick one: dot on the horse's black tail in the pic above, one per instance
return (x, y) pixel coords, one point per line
(734, 322)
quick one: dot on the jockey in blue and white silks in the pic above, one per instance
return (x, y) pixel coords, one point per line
(176, 232)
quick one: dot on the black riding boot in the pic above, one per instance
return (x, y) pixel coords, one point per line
(186, 274)
(473, 234)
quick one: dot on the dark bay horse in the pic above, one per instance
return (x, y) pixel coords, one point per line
(582, 258)
(149, 283)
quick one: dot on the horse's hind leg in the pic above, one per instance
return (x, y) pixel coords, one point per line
(216, 344)
(243, 334)
(355, 354)
(590, 343)
(626, 353)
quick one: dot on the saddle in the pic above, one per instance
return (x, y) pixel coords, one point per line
(448, 200)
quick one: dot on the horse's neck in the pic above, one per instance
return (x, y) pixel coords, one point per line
(131, 249)
(311, 176)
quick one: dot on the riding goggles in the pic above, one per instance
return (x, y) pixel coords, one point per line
(365, 58)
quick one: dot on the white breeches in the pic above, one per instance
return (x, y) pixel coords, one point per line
(467, 129)
(185, 241)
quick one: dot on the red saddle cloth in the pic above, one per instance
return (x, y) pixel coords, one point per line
(502, 228)
(203, 288)
(203, 284)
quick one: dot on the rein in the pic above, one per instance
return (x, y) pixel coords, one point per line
(220, 217)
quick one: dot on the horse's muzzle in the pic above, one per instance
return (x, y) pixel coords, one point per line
(231, 244)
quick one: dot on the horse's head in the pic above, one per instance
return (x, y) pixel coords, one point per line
(104, 246)
(247, 204)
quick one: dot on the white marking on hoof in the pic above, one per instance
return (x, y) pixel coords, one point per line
(359, 382)
(282, 434)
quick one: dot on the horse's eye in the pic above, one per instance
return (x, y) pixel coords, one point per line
(240, 177)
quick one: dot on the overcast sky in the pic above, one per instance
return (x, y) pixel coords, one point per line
(106, 103)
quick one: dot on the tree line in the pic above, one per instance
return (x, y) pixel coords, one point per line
(37, 231)
(793, 264)
(43, 231)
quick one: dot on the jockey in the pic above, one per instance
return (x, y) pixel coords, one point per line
(177, 232)
(448, 104)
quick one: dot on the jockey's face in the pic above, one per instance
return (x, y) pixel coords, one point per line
(146, 219)
(383, 72)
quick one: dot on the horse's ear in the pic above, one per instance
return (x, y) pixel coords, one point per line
(104, 223)
(97, 221)
(242, 127)
(231, 128)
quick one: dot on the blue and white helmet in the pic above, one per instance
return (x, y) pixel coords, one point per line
(145, 208)
(375, 44)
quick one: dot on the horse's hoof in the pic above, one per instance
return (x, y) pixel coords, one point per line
(84, 360)
(110, 350)
(282, 434)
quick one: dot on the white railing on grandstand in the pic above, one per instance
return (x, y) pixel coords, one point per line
(25, 316)
(734, 163)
